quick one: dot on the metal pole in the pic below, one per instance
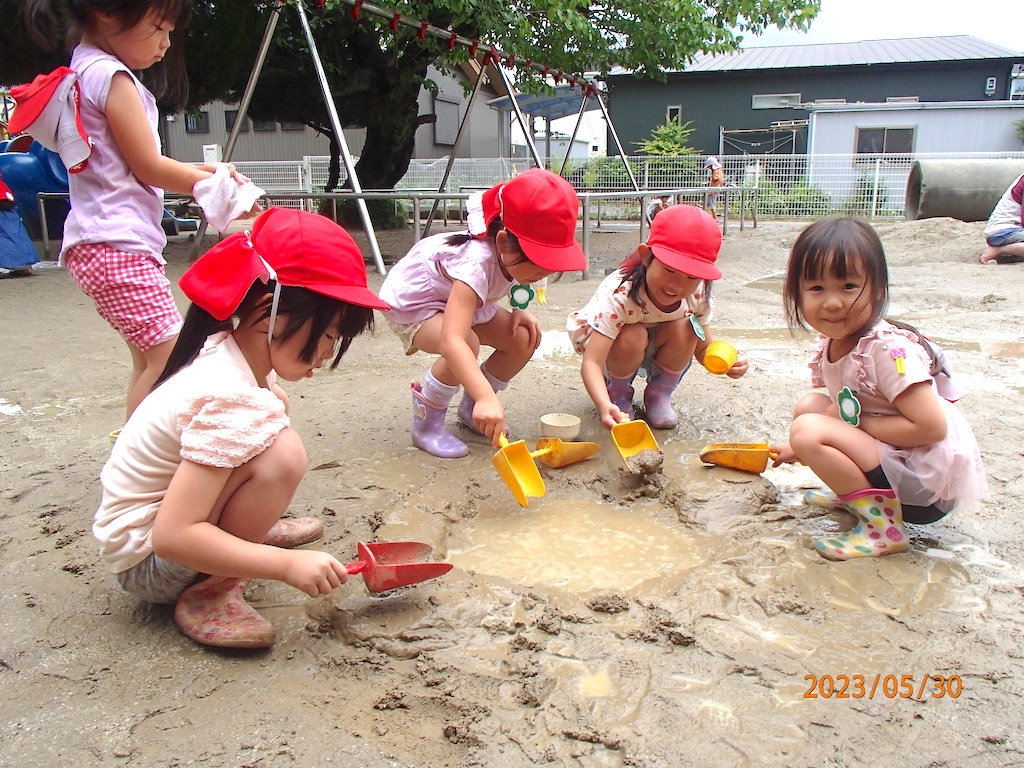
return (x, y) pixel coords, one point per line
(575, 130)
(618, 144)
(527, 132)
(243, 108)
(453, 154)
(43, 227)
(586, 235)
(339, 133)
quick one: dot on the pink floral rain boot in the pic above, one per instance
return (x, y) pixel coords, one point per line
(294, 532)
(214, 612)
(658, 396)
(620, 392)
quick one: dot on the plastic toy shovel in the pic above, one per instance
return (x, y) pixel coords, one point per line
(556, 453)
(746, 457)
(631, 437)
(515, 465)
(394, 564)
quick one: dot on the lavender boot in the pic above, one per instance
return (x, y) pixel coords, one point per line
(658, 396)
(620, 391)
(428, 431)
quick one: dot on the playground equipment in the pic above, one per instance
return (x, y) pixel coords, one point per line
(29, 168)
(961, 189)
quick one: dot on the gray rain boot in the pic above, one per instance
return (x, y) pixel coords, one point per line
(620, 391)
(428, 430)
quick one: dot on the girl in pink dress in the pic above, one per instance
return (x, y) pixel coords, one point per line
(886, 438)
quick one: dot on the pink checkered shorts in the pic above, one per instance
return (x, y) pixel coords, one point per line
(130, 291)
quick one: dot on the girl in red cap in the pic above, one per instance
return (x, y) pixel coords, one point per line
(444, 298)
(208, 463)
(113, 237)
(652, 312)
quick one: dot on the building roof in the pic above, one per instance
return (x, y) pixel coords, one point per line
(893, 51)
(563, 102)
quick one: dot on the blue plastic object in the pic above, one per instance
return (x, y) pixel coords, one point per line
(31, 172)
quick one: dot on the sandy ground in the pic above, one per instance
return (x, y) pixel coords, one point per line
(677, 620)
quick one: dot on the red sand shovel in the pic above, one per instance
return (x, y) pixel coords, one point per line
(394, 564)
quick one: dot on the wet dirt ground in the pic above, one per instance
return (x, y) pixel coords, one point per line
(676, 617)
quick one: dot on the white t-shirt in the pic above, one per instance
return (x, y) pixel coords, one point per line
(610, 308)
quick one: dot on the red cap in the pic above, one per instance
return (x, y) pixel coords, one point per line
(5, 191)
(540, 208)
(47, 109)
(295, 247)
(687, 239)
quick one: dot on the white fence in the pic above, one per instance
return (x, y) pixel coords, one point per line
(788, 186)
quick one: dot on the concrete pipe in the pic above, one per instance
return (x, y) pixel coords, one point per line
(961, 189)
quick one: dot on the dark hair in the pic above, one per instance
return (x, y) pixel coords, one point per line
(835, 246)
(638, 275)
(299, 305)
(45, 20)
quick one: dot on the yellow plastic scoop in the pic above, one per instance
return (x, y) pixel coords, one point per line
(515, 465)
(631, 437)
(559, 453)
(746, 457)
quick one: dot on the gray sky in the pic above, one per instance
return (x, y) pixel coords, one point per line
(848, 21)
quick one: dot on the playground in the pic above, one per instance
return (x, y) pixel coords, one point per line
(676, 618)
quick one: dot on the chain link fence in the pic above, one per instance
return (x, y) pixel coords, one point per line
(788, 186)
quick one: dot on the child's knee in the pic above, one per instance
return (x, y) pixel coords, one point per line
(286, 459)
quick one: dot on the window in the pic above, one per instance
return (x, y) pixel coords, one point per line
(674, 114)
(774, 100)
(264, 125)
(291, 125)
(446, 123)
(230, 115)
(901, 99)
(885, 141)
(198, 122)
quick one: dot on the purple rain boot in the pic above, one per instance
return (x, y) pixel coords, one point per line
(428, 431)
(465, 411)
(620, 392)
(658, 396)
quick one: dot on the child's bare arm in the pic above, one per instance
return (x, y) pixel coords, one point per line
(592, 370)
(130, 128)
(921, 420)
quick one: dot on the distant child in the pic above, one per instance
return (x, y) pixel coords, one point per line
(655, 312)
(17, 253)
(716, 178)
(444, 298)
(1004, 230)
(113, 238)
(208, 463)
(885, 438)
(656, 206)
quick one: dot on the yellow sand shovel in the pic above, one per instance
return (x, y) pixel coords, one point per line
(515, 465)
(746, 457)
(556, 453)
(631, 437)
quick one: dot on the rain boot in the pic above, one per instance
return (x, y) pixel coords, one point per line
(879, 530)
(819, 497)
(214, 612)
(620, 392)
(658, 396)
(428, 430)
(467, 403)
(294, 532)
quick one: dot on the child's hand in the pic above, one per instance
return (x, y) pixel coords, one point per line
(315, 573)
(782, 453)
(738, 368)
(611, 415)
(489, 418)
(523, 319)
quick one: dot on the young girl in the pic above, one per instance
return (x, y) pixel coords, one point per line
(885, 439)
(444, 300)
(207, 463)
(113, 238)
(652, 312)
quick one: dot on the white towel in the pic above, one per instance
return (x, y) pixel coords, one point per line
(223, 199)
